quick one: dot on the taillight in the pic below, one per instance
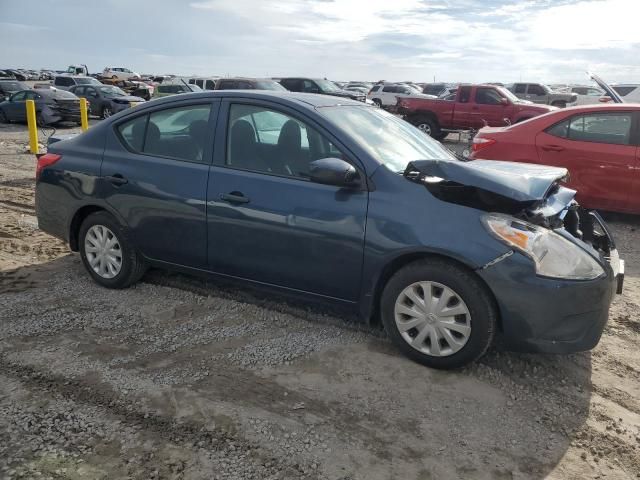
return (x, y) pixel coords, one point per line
(44, 161)
(480, 142)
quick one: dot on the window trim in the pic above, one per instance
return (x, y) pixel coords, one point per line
(220, 160)
(634, 129)
(214, 112)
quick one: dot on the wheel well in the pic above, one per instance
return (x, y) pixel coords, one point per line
(416, 118)
(76, 221)
(397, 263)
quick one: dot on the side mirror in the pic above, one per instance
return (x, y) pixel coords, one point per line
(333, 171)
(504, 101)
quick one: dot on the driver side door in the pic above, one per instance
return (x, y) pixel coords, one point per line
(266, 221)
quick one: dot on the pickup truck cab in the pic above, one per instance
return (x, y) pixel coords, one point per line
(540, 93)
(473, 107)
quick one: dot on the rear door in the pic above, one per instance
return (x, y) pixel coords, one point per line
(598, 150)
(460, 116)
(267, 222)
(154, 174)
(16, 107)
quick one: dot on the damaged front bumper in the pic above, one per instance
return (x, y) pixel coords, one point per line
(547, 315)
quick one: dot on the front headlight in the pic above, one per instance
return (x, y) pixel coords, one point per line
(553, 255)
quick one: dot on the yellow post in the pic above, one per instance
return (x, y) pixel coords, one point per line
(33, 127)
(84, 117)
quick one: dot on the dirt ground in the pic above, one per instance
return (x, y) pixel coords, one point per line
(178, 378)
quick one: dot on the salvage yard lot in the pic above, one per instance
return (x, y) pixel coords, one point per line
(185, 379)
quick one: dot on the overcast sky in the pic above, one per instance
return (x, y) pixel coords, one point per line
(451, 40)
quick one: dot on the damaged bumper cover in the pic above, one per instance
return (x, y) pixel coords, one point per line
(538, 313)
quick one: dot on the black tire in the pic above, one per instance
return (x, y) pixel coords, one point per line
(3, 117)
(429, 126)
(40, 120)
(106, 112)
(474, 294)
(377, 102)
(559, 104)
(133, 266)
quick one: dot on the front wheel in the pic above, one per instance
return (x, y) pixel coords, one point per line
(106, 111)
(377, 102)
(107, 253)
(438, 314)
(3, 117)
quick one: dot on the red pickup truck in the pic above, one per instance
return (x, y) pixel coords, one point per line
(471, 107)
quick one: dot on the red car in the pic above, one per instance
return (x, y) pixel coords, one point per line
(598, 144)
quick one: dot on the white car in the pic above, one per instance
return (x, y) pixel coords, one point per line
(587, 95)
(385, 95)
(119, 73)
(630, 92)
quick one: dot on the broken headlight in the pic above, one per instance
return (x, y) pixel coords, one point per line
(553, 255)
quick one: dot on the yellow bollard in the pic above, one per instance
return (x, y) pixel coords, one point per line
(84, 117)
(33, 127)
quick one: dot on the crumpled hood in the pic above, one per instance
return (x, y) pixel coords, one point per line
(521, 182)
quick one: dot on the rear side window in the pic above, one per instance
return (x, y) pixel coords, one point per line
(64, 81)
(612, 128)
(624, 91)
(465, 94)
(180, 133)
(389, 89)
(560, 130)
(226, 85)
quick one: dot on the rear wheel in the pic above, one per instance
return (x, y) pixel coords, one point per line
(107, 253)
(438, 314)
(429, 126)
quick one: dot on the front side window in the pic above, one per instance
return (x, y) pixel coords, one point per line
(488, 96)
(612, 128)
(536, 90)
(389, 89)
(309, 87)
(180, 133)
(265, 140)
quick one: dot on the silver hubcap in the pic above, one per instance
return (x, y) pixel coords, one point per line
(107, 112)
(426, 128)
(432, 318)
(103, 251)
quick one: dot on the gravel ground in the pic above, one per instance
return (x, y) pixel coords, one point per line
(177, 378)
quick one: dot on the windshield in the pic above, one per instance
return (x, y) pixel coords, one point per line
(14, 86)
(112, 91)
(269, 85)
(507, 94)
(327, 86)
(86, 81)
(390, 140)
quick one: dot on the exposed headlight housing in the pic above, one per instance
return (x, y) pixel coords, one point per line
(553, 255)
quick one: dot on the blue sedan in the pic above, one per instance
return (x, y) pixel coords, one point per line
(335, 200)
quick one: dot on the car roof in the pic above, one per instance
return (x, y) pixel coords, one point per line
(307, 100)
